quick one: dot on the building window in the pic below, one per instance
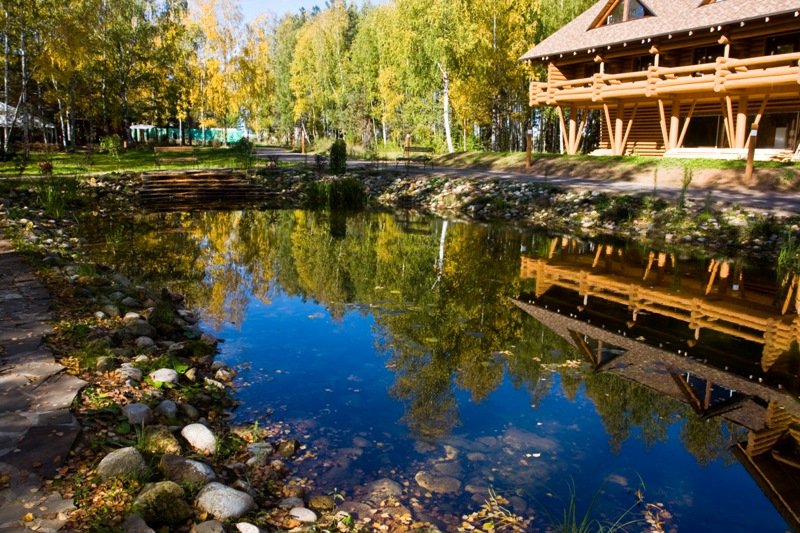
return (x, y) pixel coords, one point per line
(642, 63)
(625, 10)
(783, 44)
(708, 54)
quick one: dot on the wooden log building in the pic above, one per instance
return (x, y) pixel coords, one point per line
(682, 78)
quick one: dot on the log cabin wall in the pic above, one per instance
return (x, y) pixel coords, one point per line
(724, 96)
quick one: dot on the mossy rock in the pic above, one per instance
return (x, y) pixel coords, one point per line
(162, 503)
(160, 440)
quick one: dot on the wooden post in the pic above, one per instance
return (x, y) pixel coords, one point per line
(303, 142)
(618, 124)
(674, 123)
(751, 154)
(573, 127)
(741, 122)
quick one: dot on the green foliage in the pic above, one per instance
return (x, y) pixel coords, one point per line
(112, 145)
(243, 149)
(346, 194)
(338, 157)
(54, 195)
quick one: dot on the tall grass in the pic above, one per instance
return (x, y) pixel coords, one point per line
(55, 195)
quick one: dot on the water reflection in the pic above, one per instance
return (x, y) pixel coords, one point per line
(759, 417)
(619, 345)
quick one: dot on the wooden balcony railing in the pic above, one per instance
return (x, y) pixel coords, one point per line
(764, 73)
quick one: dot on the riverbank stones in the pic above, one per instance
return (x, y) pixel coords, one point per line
(182, 470)
(123, 462)
(200, 438)
(138, 414)
(162, 503)
(165, 375)
(224, 503)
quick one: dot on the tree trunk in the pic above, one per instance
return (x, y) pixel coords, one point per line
(446, 109)
(26, 141)
(72, 113)
(6, 57)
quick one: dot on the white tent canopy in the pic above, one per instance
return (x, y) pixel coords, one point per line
(9, 117)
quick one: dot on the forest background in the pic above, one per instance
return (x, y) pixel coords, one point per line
(447, 72)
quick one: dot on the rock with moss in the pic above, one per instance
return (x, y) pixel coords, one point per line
(437, 483)
(321, 502)
(125, 462)
(162, 503)
(159, 440)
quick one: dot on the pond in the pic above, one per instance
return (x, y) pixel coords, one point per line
(463, 360)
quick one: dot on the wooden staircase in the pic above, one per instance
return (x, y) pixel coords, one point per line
(198, 189)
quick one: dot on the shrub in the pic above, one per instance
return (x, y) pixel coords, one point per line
(111, 144)
(338, 159)
(46, 168)
(340, 194)
(243, 149)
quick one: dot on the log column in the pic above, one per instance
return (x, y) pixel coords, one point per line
(741, 122)
(674, 123)
(618, 133)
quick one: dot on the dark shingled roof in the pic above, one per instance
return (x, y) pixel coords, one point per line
(669, 16)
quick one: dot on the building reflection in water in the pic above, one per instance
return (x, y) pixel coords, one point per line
(707, 332)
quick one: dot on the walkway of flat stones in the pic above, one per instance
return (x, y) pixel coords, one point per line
(37, 428)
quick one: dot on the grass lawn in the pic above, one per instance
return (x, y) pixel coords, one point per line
(135, 160)
(510, 160)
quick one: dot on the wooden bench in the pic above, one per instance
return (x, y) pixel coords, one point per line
(408, 158)
(174, 154)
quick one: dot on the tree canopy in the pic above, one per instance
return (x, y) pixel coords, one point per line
(444, 71)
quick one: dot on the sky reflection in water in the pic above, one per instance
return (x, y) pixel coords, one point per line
(360, 333)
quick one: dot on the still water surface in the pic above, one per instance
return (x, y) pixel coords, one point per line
(390, 345)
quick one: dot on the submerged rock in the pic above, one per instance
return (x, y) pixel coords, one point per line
(437, 483)
(383, 489)
(288, 448)
(321, 502)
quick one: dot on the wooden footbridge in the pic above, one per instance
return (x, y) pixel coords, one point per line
(199, 189)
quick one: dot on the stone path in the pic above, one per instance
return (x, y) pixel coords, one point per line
(37, 428)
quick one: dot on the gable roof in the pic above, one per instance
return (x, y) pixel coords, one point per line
(669, 16)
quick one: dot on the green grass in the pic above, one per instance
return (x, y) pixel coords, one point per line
(133, 160)
(512, 159)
